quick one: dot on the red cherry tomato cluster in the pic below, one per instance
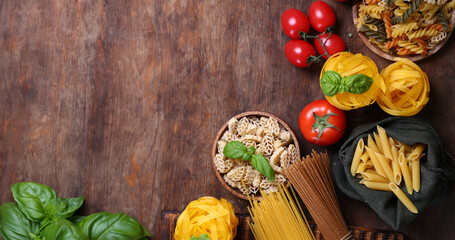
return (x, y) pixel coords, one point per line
(296, 25)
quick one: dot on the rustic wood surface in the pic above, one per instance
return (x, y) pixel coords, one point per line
(120, 101)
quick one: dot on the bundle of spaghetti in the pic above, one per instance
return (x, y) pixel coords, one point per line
(347, 64)
(312, 179)
(278, 217)
(407, 88)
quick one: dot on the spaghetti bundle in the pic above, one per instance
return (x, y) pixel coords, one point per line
(313, 181)
(278, 217)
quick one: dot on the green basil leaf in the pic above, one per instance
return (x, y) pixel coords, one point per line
(105, 226)
(261, 164)
(194, 238)
(33, 199)
(330, 83)
(204, 237)
(76, 219)
(357, 84)
(62, 229)
(14, 224)
(64, 207)
(234, 150)
(251, 150)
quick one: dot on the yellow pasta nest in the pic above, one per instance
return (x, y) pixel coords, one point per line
(210, 216)
(347, 64)
(407, 88)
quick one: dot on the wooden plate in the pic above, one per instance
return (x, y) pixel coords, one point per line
(259, 114)
(373, 47)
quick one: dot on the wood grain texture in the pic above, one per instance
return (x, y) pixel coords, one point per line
(120, 101)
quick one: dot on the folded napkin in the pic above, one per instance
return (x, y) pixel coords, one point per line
(436, 170)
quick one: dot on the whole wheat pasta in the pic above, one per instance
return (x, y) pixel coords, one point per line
(312, 179)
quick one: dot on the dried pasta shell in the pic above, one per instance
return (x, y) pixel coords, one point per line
(221, 145)
(276, 155)
(252, 138)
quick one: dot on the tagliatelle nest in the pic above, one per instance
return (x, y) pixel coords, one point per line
(347, 64)
(407, 88)
(210, 216)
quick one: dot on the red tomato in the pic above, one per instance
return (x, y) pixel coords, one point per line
(322, 123)
(321, 16)
(297, 51)
(293, 21)
(333, 45)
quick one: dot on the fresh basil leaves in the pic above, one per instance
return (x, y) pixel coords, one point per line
(33, 199)
(332, 83)
(105, 226)
(62, 229)
(14, 224)
(201, 237)
(236, 149)
(39, 214)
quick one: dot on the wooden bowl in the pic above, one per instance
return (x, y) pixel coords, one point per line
(373, 47)
(259, 114)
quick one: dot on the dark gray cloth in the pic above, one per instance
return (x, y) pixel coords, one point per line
(436, 170)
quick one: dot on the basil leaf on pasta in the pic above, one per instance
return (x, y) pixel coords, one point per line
(330, 83)
(261, 164)
(234, 150)
(357, 84)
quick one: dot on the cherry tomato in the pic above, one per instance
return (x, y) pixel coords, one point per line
(321, 16)
(322, 123)
(297, 51)
(293, 21)
(333, 45)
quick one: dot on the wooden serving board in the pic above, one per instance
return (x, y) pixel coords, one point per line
(169, 219)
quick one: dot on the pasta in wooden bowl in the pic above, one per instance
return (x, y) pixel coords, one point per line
(270, 136)
(412, 29)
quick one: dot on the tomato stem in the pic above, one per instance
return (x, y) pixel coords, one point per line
(305, 36)
(321, 123)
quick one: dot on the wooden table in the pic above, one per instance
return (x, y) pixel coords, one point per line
(120, 101)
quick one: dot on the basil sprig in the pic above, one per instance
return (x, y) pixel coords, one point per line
(38, 214)
(332, 83)
(236, 149)
(201, 237)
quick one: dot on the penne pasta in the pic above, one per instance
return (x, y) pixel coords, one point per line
(417, 151)
(407, 148)
(375, 161)
(371, 144)
(416, 175)
(365, 157)
(384, 142)
(405, 171)
(385, 165)
(361, 168)
(374, 177)
(382, 186)
(377, 140)
(403, 198)
(369, 164)
(396, 166)
(356, 159)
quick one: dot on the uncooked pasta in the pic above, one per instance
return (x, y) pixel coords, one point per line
(312, 179)
(278, 216)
